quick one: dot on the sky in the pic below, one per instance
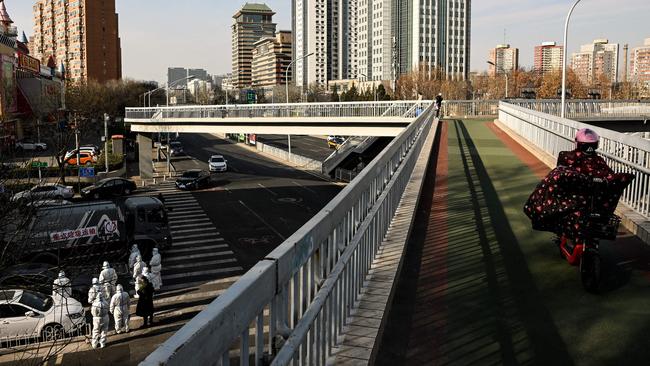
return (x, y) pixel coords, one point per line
(157, 34)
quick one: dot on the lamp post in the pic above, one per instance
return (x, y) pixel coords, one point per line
(504, 73)
(564, 55)
(286, 83)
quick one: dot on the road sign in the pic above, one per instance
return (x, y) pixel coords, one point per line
(251, 97)
(39, 164)
(86, 172)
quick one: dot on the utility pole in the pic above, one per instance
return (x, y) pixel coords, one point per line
(106, 118)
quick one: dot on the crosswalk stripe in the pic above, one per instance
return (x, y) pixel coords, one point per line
(181, 212)
(206, 224)
(186, 285)
(207, 247)
(207, 230)
(181, 200)
(175, 222)
(198, 264)
(195, 242)
(184, 205)
(198, 256)
(201, 273)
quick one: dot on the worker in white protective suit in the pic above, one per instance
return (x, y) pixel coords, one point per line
(108, 280)
(119, 307)
(99, 311)
(94, 290)
(137, 272)
(62, 287)
(156, 268)
(146, 273)
(135, 252)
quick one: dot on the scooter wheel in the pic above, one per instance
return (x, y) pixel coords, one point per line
(591, 271)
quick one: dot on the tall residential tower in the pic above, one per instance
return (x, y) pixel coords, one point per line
(548, 57)
(82, 35)
(250, 24)
(505, 59)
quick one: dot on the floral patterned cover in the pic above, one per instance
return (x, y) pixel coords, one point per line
(561, 202)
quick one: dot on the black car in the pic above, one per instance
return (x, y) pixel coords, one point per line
(193, 179)
(108, 188)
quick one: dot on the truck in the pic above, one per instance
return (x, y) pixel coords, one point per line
(89, 232)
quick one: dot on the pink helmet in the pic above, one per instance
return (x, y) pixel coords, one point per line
(587, 136)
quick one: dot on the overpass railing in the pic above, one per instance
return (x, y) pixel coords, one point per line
(306, 288)
(402, 109)
(624, 153)
(576, 109)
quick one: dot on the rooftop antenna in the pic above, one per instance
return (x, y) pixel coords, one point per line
(504, 35)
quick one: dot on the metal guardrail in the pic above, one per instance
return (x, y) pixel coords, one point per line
(306, 287)
(623, 153)
(596, 109)
(19, 343)
(403, 109)
(344, 175)
(470, 108)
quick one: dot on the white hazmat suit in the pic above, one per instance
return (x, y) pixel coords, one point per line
(99, 311)
(119, 307)
(94, 290)
(62, 287)
(108, 280)
(135, 252)
(156, 268)
(137, 272)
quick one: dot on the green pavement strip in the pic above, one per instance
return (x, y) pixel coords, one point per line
(511, 280)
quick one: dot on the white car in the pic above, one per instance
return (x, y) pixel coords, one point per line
(29, 145)
(92, 150)
(45, 191)
(217, 163)
(29, 314)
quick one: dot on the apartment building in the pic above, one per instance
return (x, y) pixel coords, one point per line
(83, 35)
(271, 58)
(250, 24)
(640, 63)
(548, 57)
(504, 59)
(596, 60)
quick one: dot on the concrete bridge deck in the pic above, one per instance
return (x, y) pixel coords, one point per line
(478, 286)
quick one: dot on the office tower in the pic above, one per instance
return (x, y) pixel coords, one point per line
(250, 24)
(640, 64)
(595, 61)
(504, 58)
(82, 34)
(548, 57)
(177, 77)
(271, 57)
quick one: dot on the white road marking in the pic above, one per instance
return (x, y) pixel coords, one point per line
(201, 273)
(198, 264)
(206, 230)
(213, 234)
(204, 218)
(206, 224)
(263, 221)
(194, 242)
(184, 212)
(198, 256)
(268, 190)
(305, 187)
(207, 247)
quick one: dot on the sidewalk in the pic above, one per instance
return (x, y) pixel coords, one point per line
(480, 287)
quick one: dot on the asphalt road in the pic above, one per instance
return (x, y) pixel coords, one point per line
(258, 202)
(308, 146)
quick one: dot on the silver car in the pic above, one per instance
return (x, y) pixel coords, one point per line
(45, 191)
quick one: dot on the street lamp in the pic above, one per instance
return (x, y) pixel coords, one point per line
(504, 72)
(286, 83)
(564, 56)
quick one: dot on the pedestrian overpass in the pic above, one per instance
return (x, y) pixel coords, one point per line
(427, 251)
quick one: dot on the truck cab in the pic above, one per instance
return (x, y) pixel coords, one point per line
(147, 223)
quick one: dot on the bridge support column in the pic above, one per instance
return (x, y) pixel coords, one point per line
(145, 156)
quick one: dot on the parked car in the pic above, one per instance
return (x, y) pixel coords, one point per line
(217, 163)
(193, 179)
(108, 188)
(92, 150)
(33, 314)
(45, 191)
(175, 148)
(85, 157)
(29, 145)
(38, 277)
(333, 142)
(48, 203)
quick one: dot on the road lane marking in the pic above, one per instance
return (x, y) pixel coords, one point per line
(263, 221)
(222, 253)
(195, 242)
(203, 218)
(181, 211)
(194, 236)
(201, 273)
(207, 247)
(305, 187)
(205, 230)
(199, 264)
(268, 190)
(205, 223)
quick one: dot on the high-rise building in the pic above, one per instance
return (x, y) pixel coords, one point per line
(199, 74)
(548, 57)
(82, 35)
(177, 77)
(640, 63)
(379, 39)
(432, 34)
(595, 61)
(504, 59)
(271, 58)
(250, 24)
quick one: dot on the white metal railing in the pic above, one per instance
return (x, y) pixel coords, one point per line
(404, 109)
(470, 108)
(590, 109)
(623, 153)
(19, 343)
(307, 286)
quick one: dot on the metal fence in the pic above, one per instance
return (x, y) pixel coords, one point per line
(624, 153)
(402, 109)
(589, 109)
(19, 343)
(470, 108)
(307, 286)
